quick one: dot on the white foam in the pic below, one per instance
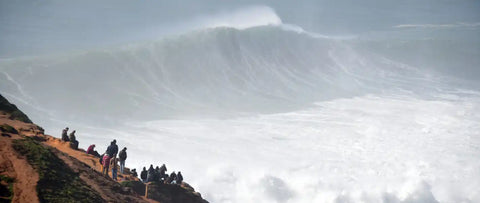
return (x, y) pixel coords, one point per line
(240, 19)
(370, 149)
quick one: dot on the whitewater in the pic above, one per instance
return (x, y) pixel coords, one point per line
(254, 109)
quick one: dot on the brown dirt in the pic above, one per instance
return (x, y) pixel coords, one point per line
(87, 166)
(82, 156)
(109, 190)
(16, 166)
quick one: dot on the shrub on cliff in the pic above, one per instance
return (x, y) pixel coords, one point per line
(8, 129)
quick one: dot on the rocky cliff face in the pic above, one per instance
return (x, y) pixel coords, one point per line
(12, 110)
(183, 193)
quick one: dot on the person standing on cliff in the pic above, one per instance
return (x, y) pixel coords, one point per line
(114, 164)
(163, 175)
(179, 178)
(122, 157)
(65, 135)
(113, 148)
(106, 164)
(151, 173)
(171, 178)
(144, 175)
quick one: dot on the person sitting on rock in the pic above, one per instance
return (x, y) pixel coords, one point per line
(179, 178)
(91, 151)
(134, 172)
(151, 173)
(65, 135)
(122, 157)
(73, 141)
(143, 175)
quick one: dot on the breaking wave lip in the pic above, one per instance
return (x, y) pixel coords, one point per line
(241, 19)
(256, 16)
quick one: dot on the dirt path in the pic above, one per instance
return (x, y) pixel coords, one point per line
(12, 165)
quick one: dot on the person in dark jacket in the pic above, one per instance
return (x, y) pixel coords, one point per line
(171, 177)
(151, 173)
(109, 149)
(73, 140)
(163, 175)
(112, 149)
(122, 156)
(143, 175)
(156, 176)
(179, 178)
(65, 135)
(115, 147)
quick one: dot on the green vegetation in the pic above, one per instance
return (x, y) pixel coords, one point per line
(57, 182)
(137, 186)
(6, 188)
(14, 112)
(8, 129)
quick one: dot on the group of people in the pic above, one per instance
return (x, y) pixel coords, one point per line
(70, 138)
(109, 160)
(159, 175)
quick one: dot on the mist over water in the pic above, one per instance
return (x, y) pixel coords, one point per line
(262, 101)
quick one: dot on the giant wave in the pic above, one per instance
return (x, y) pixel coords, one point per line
(210, 71)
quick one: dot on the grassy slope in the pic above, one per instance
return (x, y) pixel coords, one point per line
(58, 183)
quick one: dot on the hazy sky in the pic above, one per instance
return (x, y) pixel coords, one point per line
(32, 27)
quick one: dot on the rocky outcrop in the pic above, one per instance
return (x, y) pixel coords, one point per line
(13, 111)
(172, 193)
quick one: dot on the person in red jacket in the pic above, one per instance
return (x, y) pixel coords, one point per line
(91, 150)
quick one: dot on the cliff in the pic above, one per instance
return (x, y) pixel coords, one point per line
(35, 167)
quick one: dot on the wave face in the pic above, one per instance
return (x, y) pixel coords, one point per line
(210, 71)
